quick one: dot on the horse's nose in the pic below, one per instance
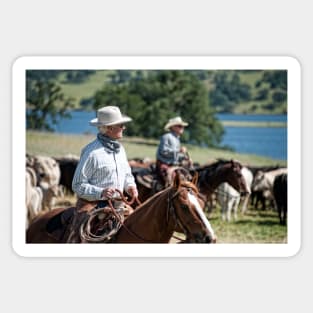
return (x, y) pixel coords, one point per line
(209, 239)
(244, 193)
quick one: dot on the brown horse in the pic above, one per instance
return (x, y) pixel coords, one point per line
(154, 221)
(209, 178)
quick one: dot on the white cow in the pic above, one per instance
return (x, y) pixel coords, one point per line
(48, 176)
(33, 195)
(49, 196)
(47, 170)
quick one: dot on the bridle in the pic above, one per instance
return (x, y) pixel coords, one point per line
(171, 211)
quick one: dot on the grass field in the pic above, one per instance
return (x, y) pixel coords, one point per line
(254, 124)
(256, 226)
(57, 145)
(87, 89)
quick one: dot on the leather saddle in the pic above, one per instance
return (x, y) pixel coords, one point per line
(146, 180)
(58, 224)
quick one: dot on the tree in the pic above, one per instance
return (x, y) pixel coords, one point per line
(262, 94)
(279, 96)
(228, 91)
(45, 101)
(276, 79)
(160, 95)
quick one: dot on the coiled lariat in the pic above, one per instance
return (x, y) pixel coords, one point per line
(102, 224)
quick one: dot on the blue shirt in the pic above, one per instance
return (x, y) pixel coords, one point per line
(168, 150)
(99, 169)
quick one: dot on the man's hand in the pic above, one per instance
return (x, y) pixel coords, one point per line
(132, 191)
(183, 149)
(108, 193)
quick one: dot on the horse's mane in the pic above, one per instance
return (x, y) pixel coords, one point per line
(213, 166)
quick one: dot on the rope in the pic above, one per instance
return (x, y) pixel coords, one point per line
(110, 224)
(124, 199)
(109, 219)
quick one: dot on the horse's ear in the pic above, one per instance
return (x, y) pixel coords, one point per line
(195, 178)
(176, 182)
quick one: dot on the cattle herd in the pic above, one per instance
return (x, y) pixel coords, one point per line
(48, 178)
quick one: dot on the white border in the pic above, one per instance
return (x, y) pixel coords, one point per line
(156, 250)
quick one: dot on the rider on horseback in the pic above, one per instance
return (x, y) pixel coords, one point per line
(170, 153)
(103, 168)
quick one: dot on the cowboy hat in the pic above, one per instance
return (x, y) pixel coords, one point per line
(109, 115)
(175, 121)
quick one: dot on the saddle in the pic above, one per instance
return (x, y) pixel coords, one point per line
(150, 182)
(148, 178)
(61, 224)
(58, 224)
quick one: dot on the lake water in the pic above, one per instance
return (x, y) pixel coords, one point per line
(264, 141)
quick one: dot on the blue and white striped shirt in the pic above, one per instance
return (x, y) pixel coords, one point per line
(98, 169)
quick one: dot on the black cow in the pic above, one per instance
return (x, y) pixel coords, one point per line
(281, 197)
(67, 166)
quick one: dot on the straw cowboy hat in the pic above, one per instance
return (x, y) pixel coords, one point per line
(175, 121)
(109, 115)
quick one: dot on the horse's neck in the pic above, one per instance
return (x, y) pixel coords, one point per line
(148, 223)
(210, 179)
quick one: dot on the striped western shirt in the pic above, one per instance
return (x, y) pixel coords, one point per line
(99, 169)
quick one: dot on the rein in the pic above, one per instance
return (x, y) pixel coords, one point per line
(124, 199)
(171, 210)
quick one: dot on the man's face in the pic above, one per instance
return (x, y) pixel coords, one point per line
(115, 131)
(178, 129)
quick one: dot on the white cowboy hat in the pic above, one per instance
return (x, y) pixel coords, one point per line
(175, 121)
(109, 115)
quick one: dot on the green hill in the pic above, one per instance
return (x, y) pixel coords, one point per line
(249, 92)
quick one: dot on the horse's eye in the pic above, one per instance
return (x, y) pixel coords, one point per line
(185, 207)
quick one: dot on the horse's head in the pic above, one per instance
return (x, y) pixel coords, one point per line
(183, 173)
(187, 210)
(235, 177)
